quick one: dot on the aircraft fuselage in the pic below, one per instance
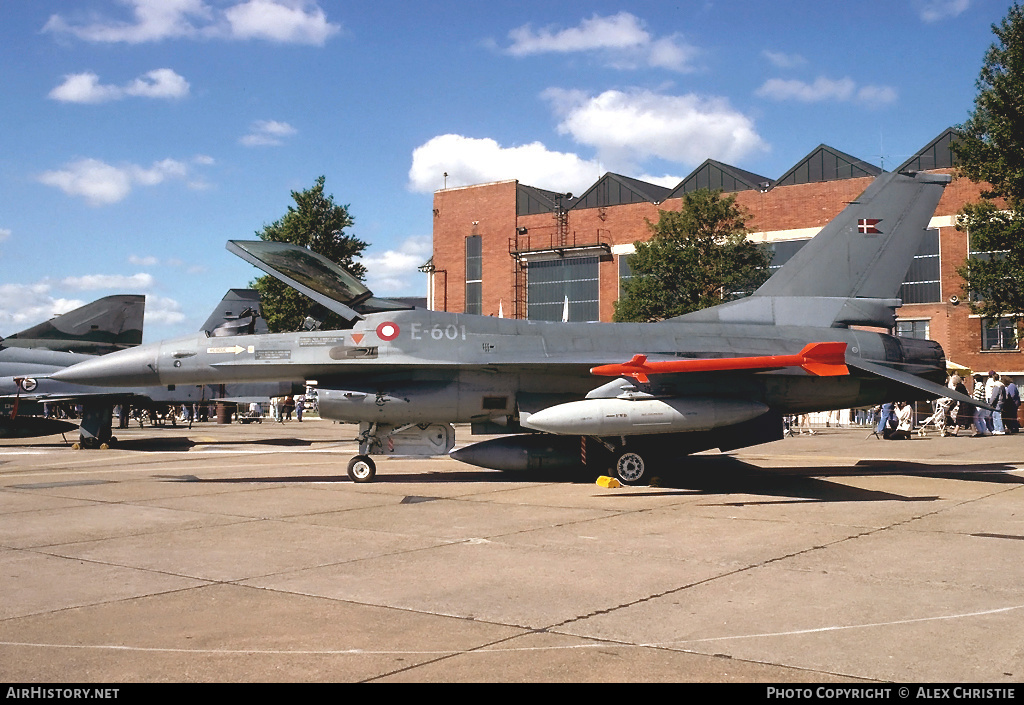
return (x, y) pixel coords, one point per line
(430, 366)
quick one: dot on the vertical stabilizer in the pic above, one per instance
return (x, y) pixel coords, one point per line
(238, 313)
(850, 273)
(868, 248)
(103, 326)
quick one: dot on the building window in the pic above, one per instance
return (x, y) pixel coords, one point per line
(982, 256)
(474, 274)
(1000, 334)
(921, 285)
(550, 283)
(783, 251)
(625, 272)
(912, 329)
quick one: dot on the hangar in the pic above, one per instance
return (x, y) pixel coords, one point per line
(514, 250)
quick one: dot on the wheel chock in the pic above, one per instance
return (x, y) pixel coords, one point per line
(609, 482)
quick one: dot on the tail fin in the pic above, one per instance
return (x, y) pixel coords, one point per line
(238, 313)
(103, 326)
(851, 271)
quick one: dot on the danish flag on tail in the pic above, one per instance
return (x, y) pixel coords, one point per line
(867, 226)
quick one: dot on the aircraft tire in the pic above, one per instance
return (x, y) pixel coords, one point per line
(362, 469)
(631, 468)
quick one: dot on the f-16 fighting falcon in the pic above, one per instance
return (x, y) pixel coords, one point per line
(107, 324)
(722, 377)
(101, 324)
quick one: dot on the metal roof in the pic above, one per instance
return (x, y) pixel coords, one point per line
(616, 190)
(716, 175)
(824, 163)
(531, 200)
(937, 154)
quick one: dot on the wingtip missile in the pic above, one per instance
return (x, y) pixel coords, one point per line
(826, 359)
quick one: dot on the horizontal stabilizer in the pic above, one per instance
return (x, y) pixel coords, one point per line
(909, 380)
(819, 359)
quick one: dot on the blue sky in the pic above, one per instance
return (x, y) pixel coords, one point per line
(138, 136)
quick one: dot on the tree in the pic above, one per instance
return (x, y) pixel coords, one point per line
(317, 223)
(697, 257)
(990, 148)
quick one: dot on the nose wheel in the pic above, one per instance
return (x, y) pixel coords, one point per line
(362, 469)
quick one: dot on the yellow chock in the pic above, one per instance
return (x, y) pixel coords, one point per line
(609, 482)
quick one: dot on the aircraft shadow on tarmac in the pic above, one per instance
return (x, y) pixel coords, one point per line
(699, 476)
(182, 443)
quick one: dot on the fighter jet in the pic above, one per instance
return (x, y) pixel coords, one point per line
(103, 326)
(722, 377)
(238, 314)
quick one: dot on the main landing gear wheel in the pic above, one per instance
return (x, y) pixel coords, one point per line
(362, 469)
(630, 468)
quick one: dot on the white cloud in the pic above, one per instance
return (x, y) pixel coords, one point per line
(821, 90)
(827, 90)
(84, 88)
(617, 32)
(783, 60)
(154, 20)
(5, 233)
(163, 310)
(627, 128)
(937, 10)
(147, 261)
(159, 83)
(469, 160)
(395, 272)
(621, 39)
(666, 180)
(282, 21)
(267, 133)
(24, 305)
(102, 184)
(94, 282)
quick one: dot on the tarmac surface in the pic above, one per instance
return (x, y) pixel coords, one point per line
(243, 553)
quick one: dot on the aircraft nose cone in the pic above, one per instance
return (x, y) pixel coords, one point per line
(135, 367)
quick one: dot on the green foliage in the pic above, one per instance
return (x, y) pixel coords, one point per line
(990, 148)
(697, 257)
(317, 223)
(998, 276)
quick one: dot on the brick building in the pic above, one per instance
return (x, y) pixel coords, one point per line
(509, 249)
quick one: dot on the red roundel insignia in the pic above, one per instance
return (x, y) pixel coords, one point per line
(387, 331)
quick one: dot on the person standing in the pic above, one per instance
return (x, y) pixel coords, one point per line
(886, 418)
(1011, 405)
(981, 415)
(995, 395)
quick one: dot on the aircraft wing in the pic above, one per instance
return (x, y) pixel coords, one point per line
(909, 380)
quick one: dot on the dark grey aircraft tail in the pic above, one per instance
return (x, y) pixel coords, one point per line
(238, 313)
(103, 326)
(851, 271)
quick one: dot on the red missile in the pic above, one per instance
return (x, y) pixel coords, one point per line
(819, 359)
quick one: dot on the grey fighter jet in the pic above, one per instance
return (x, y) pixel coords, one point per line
(238, 314)
(722, 377)
(103, 326)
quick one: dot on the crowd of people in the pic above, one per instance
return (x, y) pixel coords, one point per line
(949, 416)
(896, 420)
